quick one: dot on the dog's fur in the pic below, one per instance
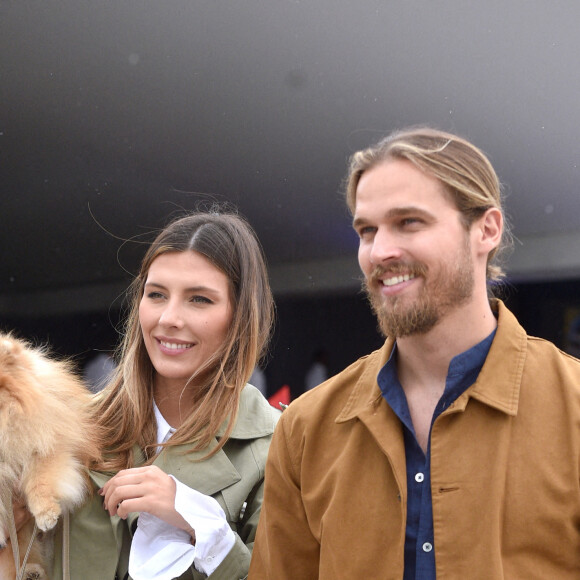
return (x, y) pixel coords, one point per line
(46, 442)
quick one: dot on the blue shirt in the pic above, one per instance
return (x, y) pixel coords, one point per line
(462, 373)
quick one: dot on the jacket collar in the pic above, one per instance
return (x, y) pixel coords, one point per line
(366, 394)
(256, 418)
(208, 476)
(498, 383)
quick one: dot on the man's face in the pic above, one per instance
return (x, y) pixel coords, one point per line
(414, 251)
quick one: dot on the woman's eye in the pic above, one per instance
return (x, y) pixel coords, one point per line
(201, 300)
(154, 295)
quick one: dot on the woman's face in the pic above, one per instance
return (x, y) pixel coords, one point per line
(185, 314)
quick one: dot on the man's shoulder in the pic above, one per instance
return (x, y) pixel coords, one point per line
(545, 354)
(513, 343)
(520, 361)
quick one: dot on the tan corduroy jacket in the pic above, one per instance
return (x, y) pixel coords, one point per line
(99, 544)
(504, 474)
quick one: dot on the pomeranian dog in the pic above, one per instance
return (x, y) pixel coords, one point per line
(46, 443)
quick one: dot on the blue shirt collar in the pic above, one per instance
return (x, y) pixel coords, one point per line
(462, 373)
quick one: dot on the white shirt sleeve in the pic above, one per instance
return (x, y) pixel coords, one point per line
(160, 551)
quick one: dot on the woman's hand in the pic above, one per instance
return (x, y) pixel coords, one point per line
(144, 489)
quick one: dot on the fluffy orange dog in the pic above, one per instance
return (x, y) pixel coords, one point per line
(46, 441)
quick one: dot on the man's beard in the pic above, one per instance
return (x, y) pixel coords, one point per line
(451, 287)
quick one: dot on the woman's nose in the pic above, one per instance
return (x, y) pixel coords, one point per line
(171, 315)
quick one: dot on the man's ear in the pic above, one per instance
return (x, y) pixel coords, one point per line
(488, 230)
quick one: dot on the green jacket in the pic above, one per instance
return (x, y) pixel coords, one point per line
(100, 544)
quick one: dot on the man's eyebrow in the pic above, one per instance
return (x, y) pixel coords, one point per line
(358, 221)
(404, 211)
(394, 213)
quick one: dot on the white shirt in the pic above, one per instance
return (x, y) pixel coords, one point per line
(161, 552)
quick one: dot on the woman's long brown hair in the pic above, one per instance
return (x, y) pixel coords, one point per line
(124, 409)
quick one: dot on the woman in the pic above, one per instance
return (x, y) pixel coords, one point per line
(185, 437)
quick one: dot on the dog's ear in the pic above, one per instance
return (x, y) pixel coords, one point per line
(11, 351)
(10, 347)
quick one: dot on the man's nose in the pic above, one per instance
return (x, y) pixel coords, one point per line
(385, 247)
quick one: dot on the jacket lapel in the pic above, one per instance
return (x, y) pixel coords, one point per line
(367, 404)
(208, 476)
(217, 472)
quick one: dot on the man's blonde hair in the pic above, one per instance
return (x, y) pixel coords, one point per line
(463, 169)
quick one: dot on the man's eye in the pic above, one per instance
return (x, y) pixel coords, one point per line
(366, 231)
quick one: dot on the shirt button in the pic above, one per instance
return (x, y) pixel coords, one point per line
(427, 547)
(419, 477)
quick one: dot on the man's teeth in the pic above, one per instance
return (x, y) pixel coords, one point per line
(174, 346)
(397, 280)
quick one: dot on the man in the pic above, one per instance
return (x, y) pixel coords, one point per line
(453, 451)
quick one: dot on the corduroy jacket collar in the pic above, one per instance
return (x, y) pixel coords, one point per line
(498, 384)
